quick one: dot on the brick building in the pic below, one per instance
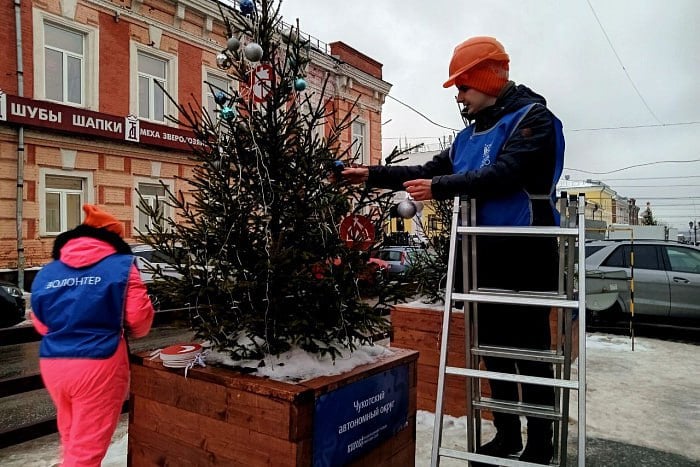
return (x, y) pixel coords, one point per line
(82, 119)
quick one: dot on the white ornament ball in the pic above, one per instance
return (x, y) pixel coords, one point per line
(253, 52)
(222, 61)
(406, 209)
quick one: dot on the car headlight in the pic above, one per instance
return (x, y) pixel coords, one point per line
(13, 291)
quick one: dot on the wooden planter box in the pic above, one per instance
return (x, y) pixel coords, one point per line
(217, 416)
(419, 327)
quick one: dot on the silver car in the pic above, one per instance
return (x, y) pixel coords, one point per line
(666, 275)
(398, 258)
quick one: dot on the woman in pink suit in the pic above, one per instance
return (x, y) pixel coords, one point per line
(84, 303)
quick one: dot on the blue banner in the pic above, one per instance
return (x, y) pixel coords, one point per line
(352, 420)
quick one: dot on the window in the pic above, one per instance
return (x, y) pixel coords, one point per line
(153, 196)
(152, 73)
(590, 249)
(217, 82)
(66, 68)
(684, 259)
(359, 148)
(645, 257)
(63, 198)
(153, 83)
(63, 60)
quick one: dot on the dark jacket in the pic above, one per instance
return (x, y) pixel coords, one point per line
(526, 161)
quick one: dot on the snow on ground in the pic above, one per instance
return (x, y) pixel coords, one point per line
(647, 397)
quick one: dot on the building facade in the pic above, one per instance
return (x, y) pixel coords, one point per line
(602, 202)
(84, 118)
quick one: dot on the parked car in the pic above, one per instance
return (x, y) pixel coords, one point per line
(149, 261)
(398, 258)
(666, 275)
(12, 304)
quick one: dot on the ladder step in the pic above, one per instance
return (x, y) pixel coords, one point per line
(552, 382)
(518, 408)
(532, 231)
(519, 354)
(514, 299)
(492, 460)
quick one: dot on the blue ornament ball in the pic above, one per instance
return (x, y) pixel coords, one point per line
(220, 97)
(247, 7)
(299, 84)
(228, 113)
(338, 167)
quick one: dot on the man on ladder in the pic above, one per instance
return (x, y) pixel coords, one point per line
(509, 158)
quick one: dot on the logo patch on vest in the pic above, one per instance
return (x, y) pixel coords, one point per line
(486, 157)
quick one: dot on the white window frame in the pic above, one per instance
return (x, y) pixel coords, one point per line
(90, 65)
(87, 193)
(167, 210)
(364, 154)
(206, 91)
(170, 108)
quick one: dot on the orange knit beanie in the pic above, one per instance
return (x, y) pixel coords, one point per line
(96, 217)
(488, 77)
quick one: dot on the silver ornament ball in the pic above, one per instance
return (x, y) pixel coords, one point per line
(233, 44)
(253, 52)
(406, 209)
(222, 61)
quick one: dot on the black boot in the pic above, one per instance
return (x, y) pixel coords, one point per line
(503, 444)
(539, 448)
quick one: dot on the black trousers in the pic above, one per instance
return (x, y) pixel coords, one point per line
(521, 264)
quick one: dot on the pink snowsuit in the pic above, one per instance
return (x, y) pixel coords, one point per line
(89, 393)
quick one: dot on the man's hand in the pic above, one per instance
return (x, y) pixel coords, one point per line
(419, 189)
(355, 175)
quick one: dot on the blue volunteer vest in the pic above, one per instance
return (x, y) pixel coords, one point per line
(82, 307)
(473, 150)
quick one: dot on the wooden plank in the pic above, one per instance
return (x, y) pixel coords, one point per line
(260, 414)
(212, 436)
(244, 409)
(172, 388)
(232, 379)
(149, 449)
(425, 319)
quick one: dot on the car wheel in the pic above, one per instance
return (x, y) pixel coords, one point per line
(603, 317)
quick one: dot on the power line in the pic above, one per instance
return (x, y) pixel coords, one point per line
(421, 114)
(653, 178)
(665, 197)
(656, 186)
(633, 166)
(627, 127)
(619, 60)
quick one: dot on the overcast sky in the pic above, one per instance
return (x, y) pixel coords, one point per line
(557, 48)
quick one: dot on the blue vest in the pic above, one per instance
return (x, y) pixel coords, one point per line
(473, 150)
(82, 307)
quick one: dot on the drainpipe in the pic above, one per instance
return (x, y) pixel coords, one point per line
(20, 151)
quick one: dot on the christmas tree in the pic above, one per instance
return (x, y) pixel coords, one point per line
(276, 245)
(429, 266)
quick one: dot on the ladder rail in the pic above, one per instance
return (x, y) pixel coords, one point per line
(439, 398)
(582, 332)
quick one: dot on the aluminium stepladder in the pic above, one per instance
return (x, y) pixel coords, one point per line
(566, 300)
